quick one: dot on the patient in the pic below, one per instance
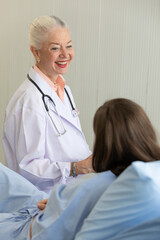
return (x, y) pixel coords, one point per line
(123, 134)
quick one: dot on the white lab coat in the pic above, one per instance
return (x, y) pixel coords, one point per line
(31, 145)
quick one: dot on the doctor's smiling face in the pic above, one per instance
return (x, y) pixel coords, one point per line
(55, 54)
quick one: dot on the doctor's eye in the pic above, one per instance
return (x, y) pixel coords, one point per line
(69, 46)
(54, 48)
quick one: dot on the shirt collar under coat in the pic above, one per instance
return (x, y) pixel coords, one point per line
(60, 106)
(58, 87)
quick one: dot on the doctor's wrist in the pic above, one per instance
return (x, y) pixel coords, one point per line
(74, 172)
(84, 166)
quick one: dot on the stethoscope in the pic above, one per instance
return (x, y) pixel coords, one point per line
(74, 111)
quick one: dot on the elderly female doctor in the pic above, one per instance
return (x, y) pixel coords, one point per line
(42, 137)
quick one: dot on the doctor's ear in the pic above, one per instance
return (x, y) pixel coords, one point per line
(35, 53)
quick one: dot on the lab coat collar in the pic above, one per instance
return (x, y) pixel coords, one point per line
(40, 82)
(62, 110)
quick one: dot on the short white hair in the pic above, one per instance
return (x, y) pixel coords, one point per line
(40, 28)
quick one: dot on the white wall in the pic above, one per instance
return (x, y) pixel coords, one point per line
(117, 52)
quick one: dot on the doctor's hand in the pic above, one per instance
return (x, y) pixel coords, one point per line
(42, 204)
(84, 166)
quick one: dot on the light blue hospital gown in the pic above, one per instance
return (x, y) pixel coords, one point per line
(67, 207)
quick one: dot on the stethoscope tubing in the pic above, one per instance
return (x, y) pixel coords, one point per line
(44, 95)
(47, 109)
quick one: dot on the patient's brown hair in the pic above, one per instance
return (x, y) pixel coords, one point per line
(123, 134)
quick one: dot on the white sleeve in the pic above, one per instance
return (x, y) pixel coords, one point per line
(26, 132)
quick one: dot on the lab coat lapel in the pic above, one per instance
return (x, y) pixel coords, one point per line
(60, 106)
(63, 110)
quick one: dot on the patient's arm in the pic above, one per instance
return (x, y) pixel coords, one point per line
(42, 204)
(30, 229)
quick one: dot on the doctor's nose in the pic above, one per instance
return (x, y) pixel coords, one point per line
(64, 53)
